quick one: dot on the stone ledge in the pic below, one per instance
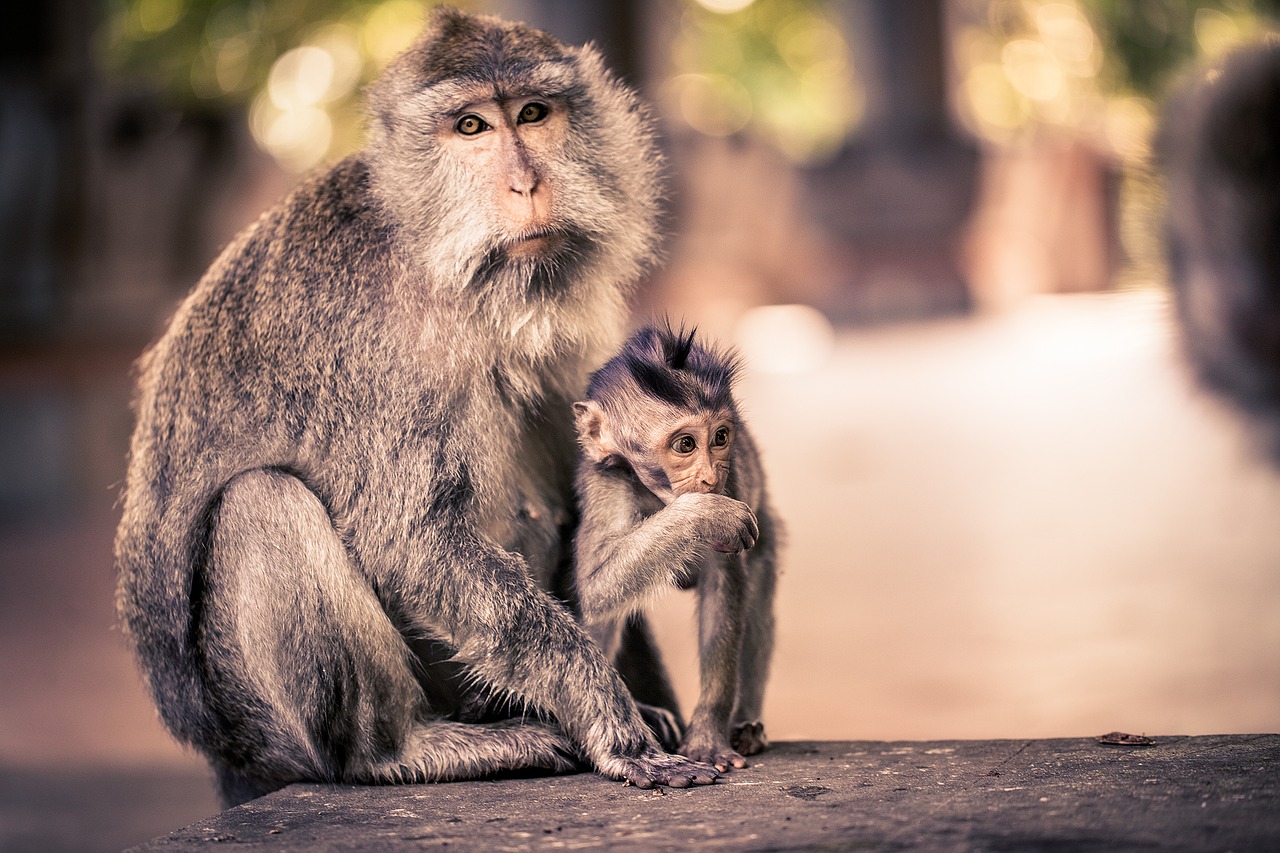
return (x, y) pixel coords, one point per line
(1183, 793)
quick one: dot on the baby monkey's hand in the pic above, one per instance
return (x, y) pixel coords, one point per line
(728, 525)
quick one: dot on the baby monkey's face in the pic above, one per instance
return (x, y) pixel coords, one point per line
(693, 452)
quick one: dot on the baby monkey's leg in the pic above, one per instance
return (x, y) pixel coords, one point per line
(747, 733)
(722, 592)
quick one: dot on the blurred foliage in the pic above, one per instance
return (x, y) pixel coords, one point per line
(779, 68)
(181, 44)
(1094, 67)
(297, 64)
(1149, 41)
(1094, 71)
(1149, 45)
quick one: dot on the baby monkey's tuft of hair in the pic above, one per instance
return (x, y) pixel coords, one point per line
(670, 365)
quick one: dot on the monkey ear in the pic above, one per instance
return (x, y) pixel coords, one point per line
(589, 418)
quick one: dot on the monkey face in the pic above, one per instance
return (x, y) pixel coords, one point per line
(669, 451)
(693, 454)
(504, 147)
(505, 156)
(507, 153)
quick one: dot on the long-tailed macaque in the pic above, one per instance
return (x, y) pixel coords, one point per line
(1220, 150)
(350, 482)
(671, 493)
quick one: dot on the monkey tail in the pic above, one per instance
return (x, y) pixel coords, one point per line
(445, 751)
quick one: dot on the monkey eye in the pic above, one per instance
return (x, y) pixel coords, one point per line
(721, 437)
(532, 112)
(684, 444)
(470, 125)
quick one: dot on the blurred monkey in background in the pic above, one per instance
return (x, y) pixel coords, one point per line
(1220, 150)
(350, 483)
(672, 494)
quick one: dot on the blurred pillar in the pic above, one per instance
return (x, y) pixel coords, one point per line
(43, 51)
(896, 197)
(614, 27)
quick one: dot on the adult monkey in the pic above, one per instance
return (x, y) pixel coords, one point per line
(352, 463)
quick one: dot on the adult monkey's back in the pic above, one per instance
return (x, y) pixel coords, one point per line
(356, 433)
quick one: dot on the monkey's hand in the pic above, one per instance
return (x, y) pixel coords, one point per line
(749, 738)
(727, 524)
(654, 767)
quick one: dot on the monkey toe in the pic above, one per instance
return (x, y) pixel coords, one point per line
(749, 738)
(719, 756)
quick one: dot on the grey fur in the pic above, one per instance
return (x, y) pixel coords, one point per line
(350, 486)
(631, 547)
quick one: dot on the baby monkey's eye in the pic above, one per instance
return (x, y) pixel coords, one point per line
(532, 112)
(721, 437)
(684, 444)
(470, 125)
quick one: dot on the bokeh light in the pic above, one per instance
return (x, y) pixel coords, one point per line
(725, 7)
(298, 66)
(300, 77)
(713, 104)
(1090, 74)
(1085, 67)
(779, 69)
(780, 339)
(1032, 69)
(389, 28)
(156, 16)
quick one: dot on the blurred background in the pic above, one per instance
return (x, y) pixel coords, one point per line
(931, 226)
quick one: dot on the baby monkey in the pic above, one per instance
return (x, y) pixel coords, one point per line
(672, 494)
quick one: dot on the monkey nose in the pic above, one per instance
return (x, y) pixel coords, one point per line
(524, 184)
(519, 207)
(527, 203)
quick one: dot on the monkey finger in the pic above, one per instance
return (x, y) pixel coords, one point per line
(747, 538)
(674, 771)
(706, 778)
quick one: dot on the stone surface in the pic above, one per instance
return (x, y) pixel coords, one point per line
(96, 809)
(1183, 793)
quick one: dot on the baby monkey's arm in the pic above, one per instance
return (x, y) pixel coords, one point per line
(625, 558)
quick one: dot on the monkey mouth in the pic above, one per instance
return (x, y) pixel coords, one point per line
(537, 244)
(543, 260)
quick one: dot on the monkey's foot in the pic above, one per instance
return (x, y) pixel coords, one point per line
(749, 738)
(715, 752)
(664, 725)
(658, 768)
